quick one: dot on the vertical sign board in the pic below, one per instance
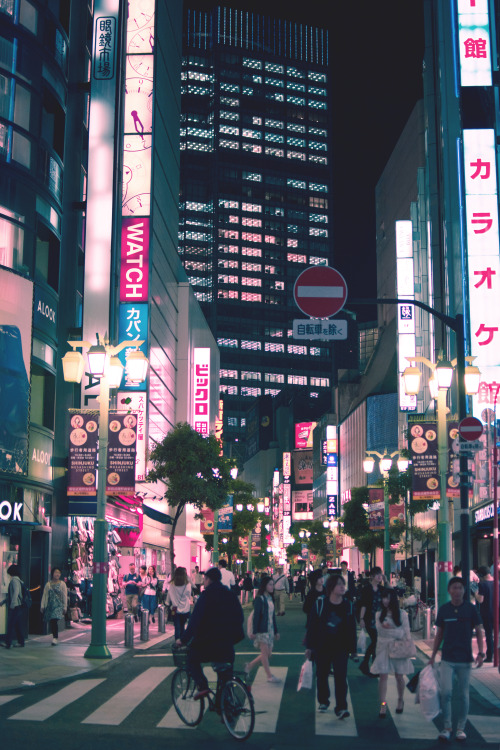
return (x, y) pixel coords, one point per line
(120, 471)
(135, 403)
(406, 313)
(332, 471)
(101, 185)
(133, 325)
(201, 390)
(481, 197)
(474, 42)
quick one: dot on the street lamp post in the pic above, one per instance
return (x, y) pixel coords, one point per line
(385, 463)
(105, 365)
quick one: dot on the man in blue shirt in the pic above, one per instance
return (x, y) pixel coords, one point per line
(132, 590)
(455, 623)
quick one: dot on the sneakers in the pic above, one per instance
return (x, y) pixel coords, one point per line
(322, 708)
(342, 713)
(154, 620)
(445, 735)
(460, 735)
(274, 680)
(54, 641)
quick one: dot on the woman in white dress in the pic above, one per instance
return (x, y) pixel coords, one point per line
(392, 624)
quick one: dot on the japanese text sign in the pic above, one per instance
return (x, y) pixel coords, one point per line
(120, 471)
(133, 326)
(134, 265)
(201, 390)
(82, 454)
(474, 42)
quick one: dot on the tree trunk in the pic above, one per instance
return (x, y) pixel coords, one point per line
(178, 512)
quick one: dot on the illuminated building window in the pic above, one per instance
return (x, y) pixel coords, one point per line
(251, 297)
(278, 286)
(275, 333)
(274, 377)
(243, 422)
(296, 155)
(228, 248)
(225, 263)
(250, 237)
(231, 390)
(297, 184)
(198, 236)
(276, 97)
(254, 148)
(315, 202)
(315, 261)
(317, 91)
(228, 144)
(203, 296)
(228, 204)
(247, 133)
(233, 374)
(270, 239)
(294, 128)
(271, 270)
(232, 87)
(250, 375)
(296, 349)
(317, 232)
(274, 68)
(232, 422)
(192, 206)
(292, 243)
(274, 151)
(292, 228)
(318, 187)
(320, 382)
(247, 391)
(297, 380)
(193, 146)
(270, 346)
(274, 82)
(295, 258)
(248, 221)
(255, 252)
(318, 131)
(318, 159)
(317, 105)
(249, 63)
(229, 115)
(257, 79)
(229, 129)
(233, 219)
(278, 124)
(253, 345)
(314, 351)
(227, 294)
(271, 391)
(255, 267)
(317, 146)
(247, 91)
(295, 86)
(228, 234)
(298, 100)
(191, 265)
(252, 176)
(274, 138)
(251, 281)
(251, 208)
(300, 142)
(313, 76)
(321, 218)
(294, 72)
(223, 279)
(256, 120)
(228, 343)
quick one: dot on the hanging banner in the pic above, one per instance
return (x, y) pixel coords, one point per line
(225, 522)
(397, 513)
(120, 471)
(424, 454)
(376, 508)
(82, 454)
(207, 521)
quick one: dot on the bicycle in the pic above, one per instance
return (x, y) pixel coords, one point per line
(231, 699)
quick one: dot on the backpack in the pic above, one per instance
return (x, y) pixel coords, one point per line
(26, 596)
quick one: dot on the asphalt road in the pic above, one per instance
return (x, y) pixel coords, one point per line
(126, 704)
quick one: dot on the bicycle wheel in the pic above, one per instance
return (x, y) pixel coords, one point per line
(237, 709)
(183, 691)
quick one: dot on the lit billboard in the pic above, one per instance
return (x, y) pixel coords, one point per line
(201, 390)
(474, 42)
(405, 284)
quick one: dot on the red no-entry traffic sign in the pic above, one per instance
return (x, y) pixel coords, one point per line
(470, 428)
(320, 291)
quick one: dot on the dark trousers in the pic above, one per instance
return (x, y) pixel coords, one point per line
(324, 662)
(54, 628)
(488, 636)
(15, 626)
(370, 651)
(180, 619)
(194, 662)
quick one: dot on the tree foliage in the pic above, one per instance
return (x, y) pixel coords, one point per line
(194, 471)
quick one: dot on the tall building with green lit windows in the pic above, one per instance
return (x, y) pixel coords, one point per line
(254, 201)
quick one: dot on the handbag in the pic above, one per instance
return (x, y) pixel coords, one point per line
(402, 649)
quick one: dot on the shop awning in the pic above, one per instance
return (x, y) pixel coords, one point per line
(156, 515)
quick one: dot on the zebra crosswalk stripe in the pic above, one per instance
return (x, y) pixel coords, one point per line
(47, 707)
(410, 723)
(171, 719)
(267, 698)
(487, 726)
(7, 699)
(118, 708)
(328, 724)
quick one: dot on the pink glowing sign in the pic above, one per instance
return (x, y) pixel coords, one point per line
(134, 266)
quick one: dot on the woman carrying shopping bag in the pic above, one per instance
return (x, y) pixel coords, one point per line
(395, 647)
(330, 638)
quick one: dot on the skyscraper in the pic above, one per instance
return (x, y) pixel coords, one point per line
(254, 199)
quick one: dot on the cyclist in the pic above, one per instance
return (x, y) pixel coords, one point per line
(216, 624)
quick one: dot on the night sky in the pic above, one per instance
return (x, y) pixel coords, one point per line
(376, 53)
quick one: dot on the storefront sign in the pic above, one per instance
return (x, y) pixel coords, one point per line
(105, 45)
(120, 471)
(332, 506)
(82, 456)
(303, 467)
(40, 456)
(485, 513)
(287, 465)
(133, 325)
(134, 265)
(304, 435)
(225, 522)
(474, 42)
(424, 454)
(201, 390)
(45, 312)
(135, 403)
(405, 279)
(11, 511)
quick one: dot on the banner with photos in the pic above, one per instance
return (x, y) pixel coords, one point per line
(120, 471)
(82, 454)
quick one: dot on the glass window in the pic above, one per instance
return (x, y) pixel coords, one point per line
(275, 82)
(254, 392)
(315, 90)
(21, 149)
(251, 297)
(252, 176)
(28, 16)
(274, 68)
(11, 240)
(249, 63)
(254, 252)
(295, 258)
(319, 218)
(297, 184)
(274, 138)
(251, 281)
(228, 374)
(320, 382)
(42, 397)
(247, 133)
(295, 86)
(278, 124)
(300, 142)
(313, 76)
(47, 257)
(251, 207)
(271, 346)
(250, 375)
(253, 345)
(44, 352)
(318, 188)
(229, 115)
(230, 343)
(231, 390)
(315, 261)
(274, 377)
(296, 349)
(297, 380)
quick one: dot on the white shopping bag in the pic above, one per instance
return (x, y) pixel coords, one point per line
(428, 693)
(306, 676)
(362, 641)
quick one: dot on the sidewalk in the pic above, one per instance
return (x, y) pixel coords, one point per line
(40, 662)
(486, 680)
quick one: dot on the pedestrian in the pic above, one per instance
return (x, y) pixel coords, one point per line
(196, 581)
(14, 601)
(132, 590)
(484, 597)
(330, 638)
(54, 603)
(247, 586)
(227, 577)
(149, 601)
(316, 590)
(295, 581)
(370, 603)
(455, 623)
(256, 583)
(214, 627)
(179, 599)
(301, 587)
(280, 590)
(264, 628)
(290, 586)
(348, 576)
(392, 624)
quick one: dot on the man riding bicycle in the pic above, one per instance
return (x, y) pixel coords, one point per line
(215, 625)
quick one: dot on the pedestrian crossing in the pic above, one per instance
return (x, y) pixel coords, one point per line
(116, 710)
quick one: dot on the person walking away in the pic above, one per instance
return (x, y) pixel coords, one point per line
(348, 576)
(14, 601)
(290, 586)
(227, 577)
(247, 586)
(132, 590)
(301, 587)
(54, 603)
(149, 601)
(281, 591)
(455, 623)
(330, 638)
(265, 630)
(214, 627)
(256, 583)
(317, 589)
(484, 597)
(392, 624)
(196, 581)
(371, 602)
(179, 600)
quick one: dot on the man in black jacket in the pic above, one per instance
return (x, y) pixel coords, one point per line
(215, 625)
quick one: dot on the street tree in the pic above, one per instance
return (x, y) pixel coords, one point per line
(193, 470)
